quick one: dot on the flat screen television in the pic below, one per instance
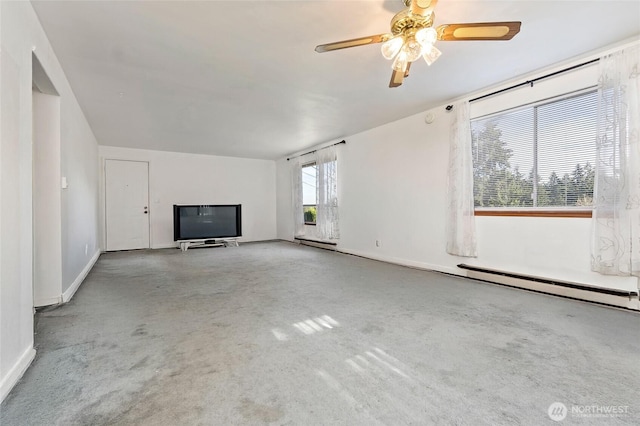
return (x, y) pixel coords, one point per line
(206, 222)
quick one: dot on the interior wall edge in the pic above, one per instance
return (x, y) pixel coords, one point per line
(404, 262)
(15, 373)
(75, 285)
(47, 302)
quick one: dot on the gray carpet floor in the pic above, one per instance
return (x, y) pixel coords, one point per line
(275, 333)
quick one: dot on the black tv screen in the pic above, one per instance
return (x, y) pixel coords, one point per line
(206, 221)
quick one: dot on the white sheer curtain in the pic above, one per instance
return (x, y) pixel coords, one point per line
(327, 211)
(296, 196)
(615, 248)
(461, 229)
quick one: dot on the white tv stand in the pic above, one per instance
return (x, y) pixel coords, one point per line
(209, 242)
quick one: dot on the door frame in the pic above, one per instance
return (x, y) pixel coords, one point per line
(46, 190)
(103, 197)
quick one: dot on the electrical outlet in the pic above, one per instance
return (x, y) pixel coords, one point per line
(377, 243)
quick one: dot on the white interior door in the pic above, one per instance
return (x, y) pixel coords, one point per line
(127, 204)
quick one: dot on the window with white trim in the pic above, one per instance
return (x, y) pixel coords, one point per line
(535, 157)
(309, 193)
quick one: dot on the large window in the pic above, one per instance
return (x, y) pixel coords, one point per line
(310, 193)
(536, 157)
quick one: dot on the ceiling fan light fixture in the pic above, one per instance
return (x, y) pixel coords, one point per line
(400, 62)
(426, 36)
(431, 54)
(391, 47)
(412, 35)
(412, 48)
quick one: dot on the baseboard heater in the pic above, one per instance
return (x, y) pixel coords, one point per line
(563, 288)
(319, 244)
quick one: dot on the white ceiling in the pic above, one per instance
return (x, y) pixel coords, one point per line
(241, 78)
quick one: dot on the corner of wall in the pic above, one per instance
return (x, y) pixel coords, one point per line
(69, 292)
(16, 372)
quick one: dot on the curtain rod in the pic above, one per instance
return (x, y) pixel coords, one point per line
(530, 82)
(311, 152)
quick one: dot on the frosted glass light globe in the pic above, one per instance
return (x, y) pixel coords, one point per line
(426, 36)
(391, 47)
(400, 63)
(431, 55)
(412, 48)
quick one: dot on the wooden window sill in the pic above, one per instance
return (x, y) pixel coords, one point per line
(536, 213)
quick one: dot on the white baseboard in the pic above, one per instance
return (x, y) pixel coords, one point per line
(241, 240)
(574, 293)
(47, 302)
(318, 244)
(623, 302)
(164, 246)
(404, 262)
(68, 294)
(15, 373)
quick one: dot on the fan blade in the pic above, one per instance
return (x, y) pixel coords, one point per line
(422, 7)
(479, 31)
(396, 78)
(379, 38)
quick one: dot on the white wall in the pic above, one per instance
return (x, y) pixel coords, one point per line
(80, 227)
(284, 210)
(178, 178)
(393, 188)
(47, 220)
(20, 32)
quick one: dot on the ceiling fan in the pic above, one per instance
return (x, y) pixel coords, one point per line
(412, 35)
